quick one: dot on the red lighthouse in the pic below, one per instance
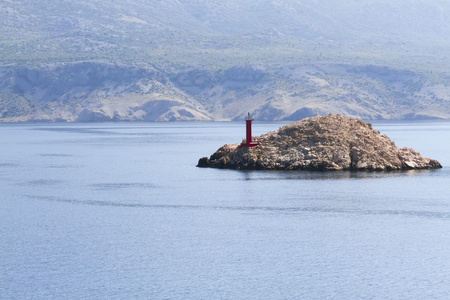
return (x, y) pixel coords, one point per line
(248, 141)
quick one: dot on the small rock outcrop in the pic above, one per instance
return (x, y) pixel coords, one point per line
(333, 142)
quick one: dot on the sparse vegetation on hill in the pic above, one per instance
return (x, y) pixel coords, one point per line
(217, 60)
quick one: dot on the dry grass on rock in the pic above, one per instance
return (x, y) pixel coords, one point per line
(333, 142)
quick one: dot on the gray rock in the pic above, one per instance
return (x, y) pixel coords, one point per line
(333, 142)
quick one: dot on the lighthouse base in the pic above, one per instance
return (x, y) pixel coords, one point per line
(248, 145)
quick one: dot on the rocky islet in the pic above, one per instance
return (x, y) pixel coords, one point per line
(333, 142)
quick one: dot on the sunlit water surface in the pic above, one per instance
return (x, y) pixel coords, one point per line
(119, 211)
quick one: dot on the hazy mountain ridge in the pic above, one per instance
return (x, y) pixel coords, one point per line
(208, 60)
(93, 91)
(155, 30)
(99, 91)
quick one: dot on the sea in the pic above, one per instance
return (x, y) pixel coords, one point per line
(120, 211)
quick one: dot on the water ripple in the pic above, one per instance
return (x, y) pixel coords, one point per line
(40, 182)
(408, 213)
(121, 185)
(54, 155)
(8, 165)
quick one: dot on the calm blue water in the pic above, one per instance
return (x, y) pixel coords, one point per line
(119, 211)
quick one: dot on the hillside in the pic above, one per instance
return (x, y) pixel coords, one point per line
(206, 60)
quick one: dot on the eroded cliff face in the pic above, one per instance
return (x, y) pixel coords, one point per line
(94, 91)
(333, 142)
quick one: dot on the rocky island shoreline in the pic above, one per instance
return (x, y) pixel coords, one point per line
(333, 142)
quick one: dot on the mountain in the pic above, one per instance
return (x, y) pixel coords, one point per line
(209, 60)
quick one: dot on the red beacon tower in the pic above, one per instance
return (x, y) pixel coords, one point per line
(248, 141)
